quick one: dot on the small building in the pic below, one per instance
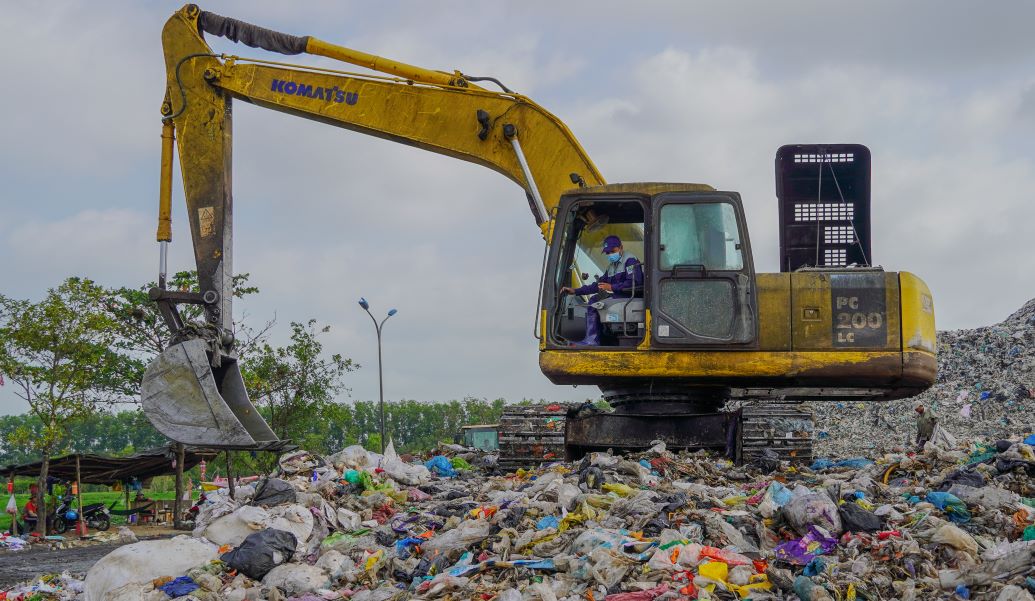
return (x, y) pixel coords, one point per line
(482, 436)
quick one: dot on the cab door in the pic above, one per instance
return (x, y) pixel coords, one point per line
(701, 270)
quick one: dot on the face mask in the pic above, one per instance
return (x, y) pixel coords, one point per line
(614, 257)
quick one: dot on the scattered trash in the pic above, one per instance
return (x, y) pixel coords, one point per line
(261, 552)
(985, 392)
(656, 525)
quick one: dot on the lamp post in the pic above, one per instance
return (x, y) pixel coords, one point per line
(380, 372)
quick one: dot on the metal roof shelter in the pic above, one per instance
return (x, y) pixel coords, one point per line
(105, 469)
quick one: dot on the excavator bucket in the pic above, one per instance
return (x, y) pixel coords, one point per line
(193, 403)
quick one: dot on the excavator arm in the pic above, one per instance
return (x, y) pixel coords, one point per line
(446, 113)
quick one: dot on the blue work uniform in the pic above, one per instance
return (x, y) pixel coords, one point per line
(626, 279)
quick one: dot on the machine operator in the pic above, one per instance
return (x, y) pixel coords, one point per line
(623, 278)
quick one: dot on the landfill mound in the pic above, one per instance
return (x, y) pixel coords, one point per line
(985, 391)
(947, 523)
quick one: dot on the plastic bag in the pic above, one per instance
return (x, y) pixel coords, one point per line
(727, 557)
(989, 497)
(951, 535)
(853, 463)
(261, 552)
(296, 578)
(179, 587)
(856, 519)
(802, 551)
(12, 505)
(953, 506)
(401, 472)
(300, 461)
(811, 509)
(455, 541)
(348, 520)
(273, 491)
(607, 568)
(440, 466)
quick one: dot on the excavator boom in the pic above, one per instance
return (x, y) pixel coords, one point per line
(194, 392)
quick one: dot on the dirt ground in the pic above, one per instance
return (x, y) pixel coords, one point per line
(19, 566)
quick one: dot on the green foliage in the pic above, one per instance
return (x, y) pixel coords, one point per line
(413, 426)
(121, 433)
(57, 354)
(295, 383)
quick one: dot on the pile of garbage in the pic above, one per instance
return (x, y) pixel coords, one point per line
(985, 390)
(947, 523)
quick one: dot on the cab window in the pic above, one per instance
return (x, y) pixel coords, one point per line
(702, 235)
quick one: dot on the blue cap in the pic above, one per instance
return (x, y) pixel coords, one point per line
(611, 242)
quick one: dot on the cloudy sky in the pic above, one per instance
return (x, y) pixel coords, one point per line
(943, 93)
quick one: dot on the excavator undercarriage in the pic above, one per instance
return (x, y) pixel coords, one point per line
(742, 430)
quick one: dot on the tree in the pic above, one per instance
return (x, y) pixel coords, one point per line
(142, 335)
(295, 383)
(58, 354)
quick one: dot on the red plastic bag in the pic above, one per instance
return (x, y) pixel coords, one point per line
(727, 557)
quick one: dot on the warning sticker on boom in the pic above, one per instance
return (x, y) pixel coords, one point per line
(859, 310)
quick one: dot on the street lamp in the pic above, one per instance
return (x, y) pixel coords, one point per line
(380, 373)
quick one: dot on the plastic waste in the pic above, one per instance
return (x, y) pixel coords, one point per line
(466, 534)
(441, 466)
(953, 506)
(549, 521)
(813, 509)
(989, 497)
(622, 490)
(144, 561)
(716, 570)
(856, 519)
(261, 552)
(950, 534)
(232, 529)
(644, 595)
(403, 473)
(273, 491)
(296, 578)
(804, 550)
(853, 463)
(178, 587)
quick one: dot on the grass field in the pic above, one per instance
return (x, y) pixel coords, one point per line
(92, 497)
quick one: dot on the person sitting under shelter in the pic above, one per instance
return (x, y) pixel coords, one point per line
(30, 514)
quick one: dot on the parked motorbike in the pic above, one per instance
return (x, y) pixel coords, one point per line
(96, 516)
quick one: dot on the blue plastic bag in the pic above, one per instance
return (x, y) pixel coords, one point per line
(781, 494)
(814, 567)
(854, 463)
(402, 547)
(549, 521)
(440, 465)
(1030, 439)
(952, 505)
(184, 585)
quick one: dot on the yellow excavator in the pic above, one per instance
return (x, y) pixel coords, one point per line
(707, 353)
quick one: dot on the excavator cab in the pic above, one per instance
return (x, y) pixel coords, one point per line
(698, 282)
